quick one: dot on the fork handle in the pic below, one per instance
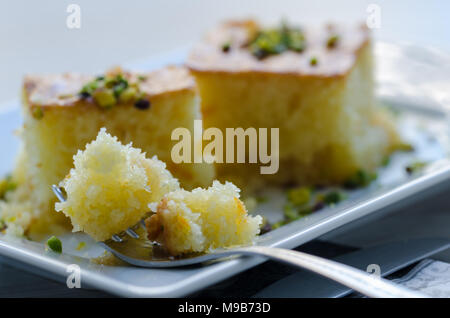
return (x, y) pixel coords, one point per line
(358, 280)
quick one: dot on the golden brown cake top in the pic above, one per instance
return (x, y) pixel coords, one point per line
(69, 89)
(242, 47)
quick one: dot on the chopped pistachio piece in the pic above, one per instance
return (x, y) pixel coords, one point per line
(296, 40)
(332, 41)
(334, 197)
(360, 179)
(109, 90)
(89, 88)
(299, 196)
(119, 88)
(3, 185)
(226, 47)
(415, 167)
(276, 41)
(290, 213)
(6, 185)
(104, 97)
(128, 95)
(313, 61)
(80, 246)
(55, 244)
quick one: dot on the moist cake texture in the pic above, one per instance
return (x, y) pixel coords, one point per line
(202, 219)
(319, 94)
(111, 185)
(63, 112)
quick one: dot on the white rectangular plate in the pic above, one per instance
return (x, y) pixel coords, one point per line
(422, 122)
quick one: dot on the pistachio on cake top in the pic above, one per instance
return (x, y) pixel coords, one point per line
(116, 85)
(246, 47)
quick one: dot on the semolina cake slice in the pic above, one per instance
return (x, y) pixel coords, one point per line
(316, 85)
(202, 219)
(111, 185)
(63, 112)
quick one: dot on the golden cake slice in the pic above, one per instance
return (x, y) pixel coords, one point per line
(64, 112)
(316, 85)
(111, 185)
(202, 220)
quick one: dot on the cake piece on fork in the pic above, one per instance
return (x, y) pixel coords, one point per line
(202, 220)
(110, 187)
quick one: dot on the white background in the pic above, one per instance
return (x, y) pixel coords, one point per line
(34, 37)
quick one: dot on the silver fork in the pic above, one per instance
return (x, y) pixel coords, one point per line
(132, 249)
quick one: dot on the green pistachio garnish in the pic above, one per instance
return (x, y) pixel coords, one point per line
(415, 167)
(120, 88)
(6, 185)
(55, 244)
(107, 91)
(332, 41)
(292, 213)
(80, 246)
(313, 61)
(296, 40)
(299, 196)
(128, 95)
(276, 41)
(303, 201)
(90, 87)
(37, 113)
(334, 197)
(104, 97)
(114, 82)
(360, 179)
(3, 186)
(226, 47)
(289, 212)
(277, 225)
